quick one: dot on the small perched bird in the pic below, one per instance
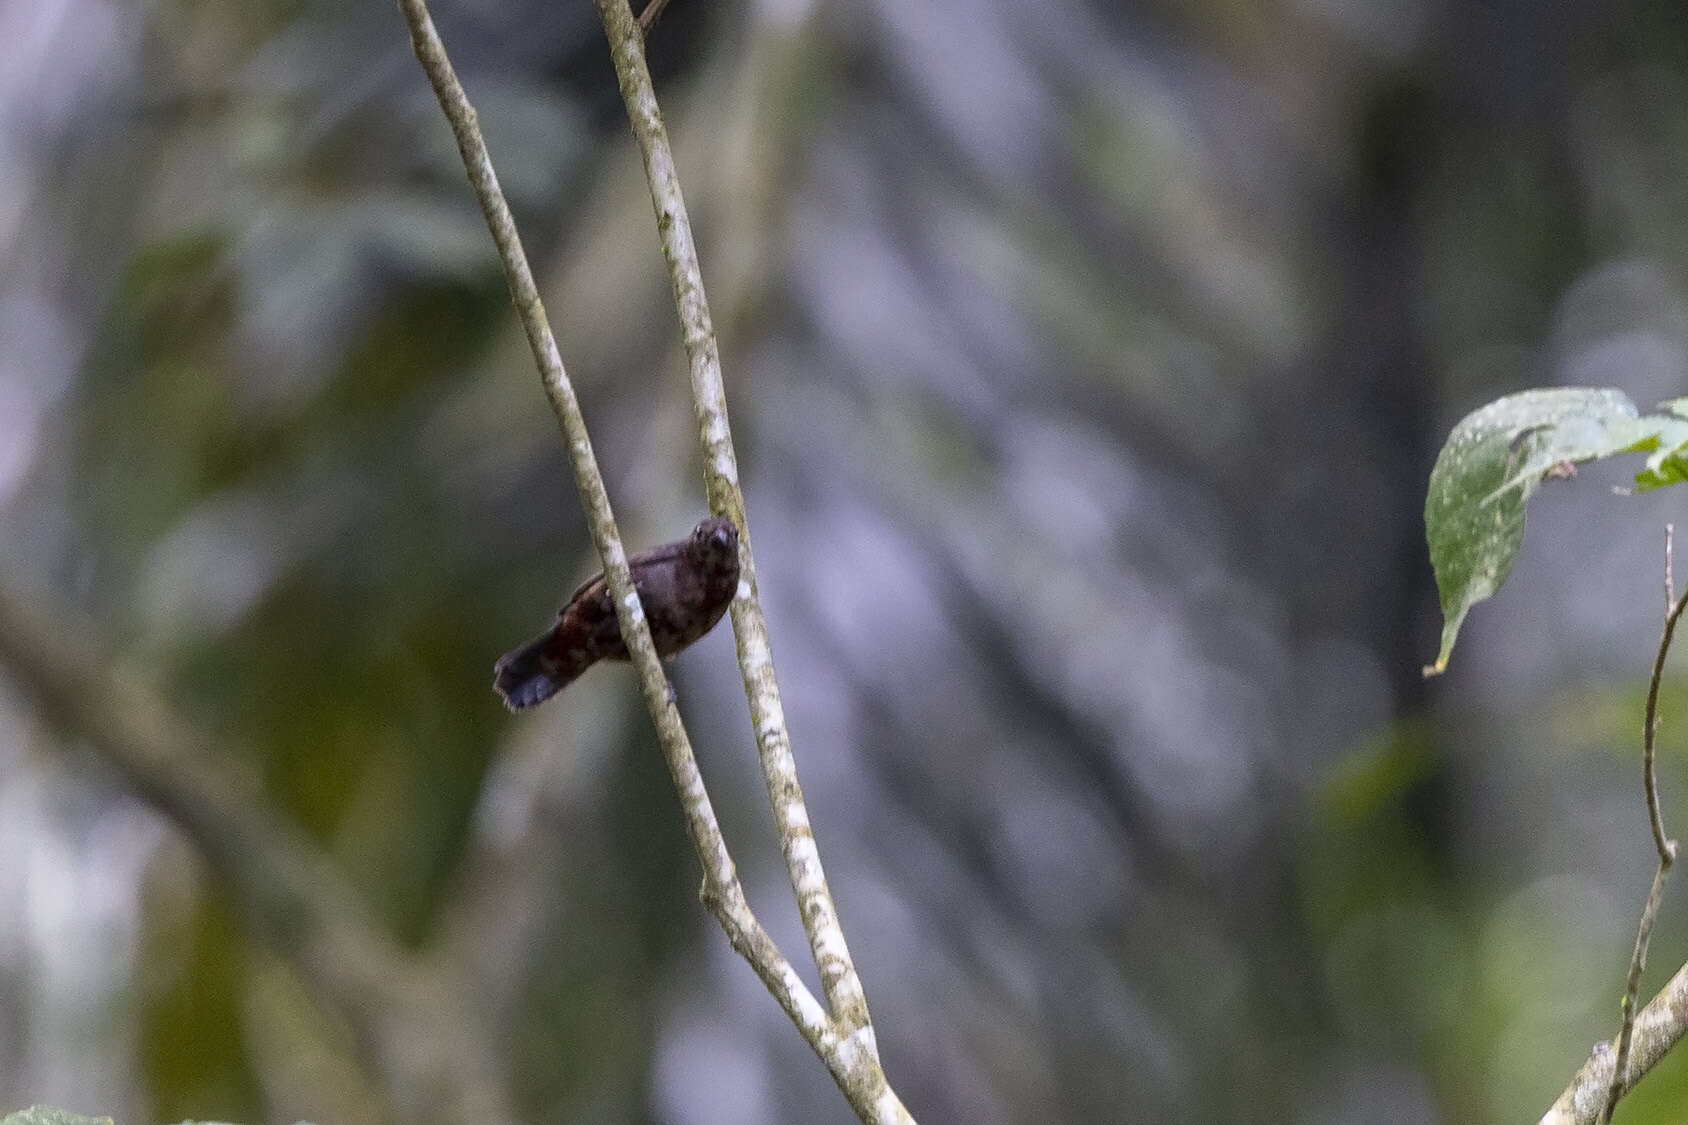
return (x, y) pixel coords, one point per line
(684, 587)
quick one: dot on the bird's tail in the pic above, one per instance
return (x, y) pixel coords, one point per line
(530, 675)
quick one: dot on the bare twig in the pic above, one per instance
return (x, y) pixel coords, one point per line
(820, 917)
(1665, 846)
(1644, 1038)
(842, 1038)
(1670, 566)
(652, 12)
(412, 1023)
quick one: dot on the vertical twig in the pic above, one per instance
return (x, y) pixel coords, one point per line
(842, 1038)
(1670, 566)
(820, 917)
(1665, 846)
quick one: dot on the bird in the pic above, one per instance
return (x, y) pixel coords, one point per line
(684, 587)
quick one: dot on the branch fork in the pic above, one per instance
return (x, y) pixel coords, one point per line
(840, 1032)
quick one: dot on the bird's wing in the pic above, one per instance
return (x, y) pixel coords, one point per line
(654, 555)
(581, 589)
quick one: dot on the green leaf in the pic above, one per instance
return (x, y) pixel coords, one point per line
(1669, 461)
(47, 1115)
(1492, 463)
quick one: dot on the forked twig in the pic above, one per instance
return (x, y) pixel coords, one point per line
(842, 1036)
(720, 466)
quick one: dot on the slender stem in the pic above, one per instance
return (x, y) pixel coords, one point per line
(1670, 566)
(1649, 733)
(1637, 962)
(820, 916)
(652, 12)
(844, 1044)
(559, 390)
(1665, 846)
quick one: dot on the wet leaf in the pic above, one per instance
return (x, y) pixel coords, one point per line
(1499, 455)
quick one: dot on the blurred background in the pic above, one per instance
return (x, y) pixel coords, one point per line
(1087, 361)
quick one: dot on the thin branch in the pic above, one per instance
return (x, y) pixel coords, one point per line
(844, 1039)
(411, 1023)
(820, 916)
(652, 13)
(1632, 987)
(1670, 566)
(1644, 1039)
(1665, 846)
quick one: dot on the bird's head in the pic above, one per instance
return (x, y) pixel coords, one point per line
(716, 539)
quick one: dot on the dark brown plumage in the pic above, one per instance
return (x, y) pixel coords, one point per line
(684, 586)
